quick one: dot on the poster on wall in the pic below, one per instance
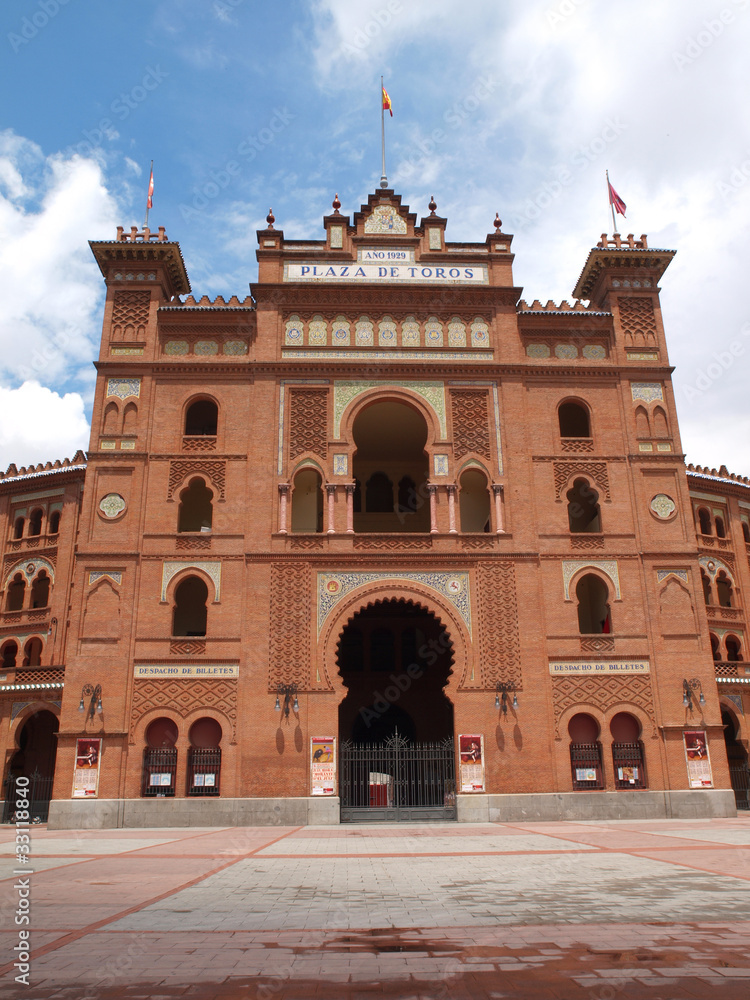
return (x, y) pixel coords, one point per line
(698, 760)
(86, 772)
(323, 765)
(471, 763)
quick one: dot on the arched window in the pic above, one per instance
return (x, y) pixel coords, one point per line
(474, 501)
(35, 522)
(574, 421)
(746, 532)
(704, 518)
(202, 418)
(130, 419)
(9, 654)
(111, 421)
(307, 502)
(724, 590)
(584, 513)
(204, 758)
(642, 429)
(54, 522)
(715, 646)
(40, 590)
(593, 608)
(379, 494)
(190, 612)
(159, 758)
(627, 751)
(661, 428)
(720, 530)
(705, 581)
(32, 653)
(196, 510)
(734, 654)
(407, 495)
(585, 752)
(16, 593)
(18, 528)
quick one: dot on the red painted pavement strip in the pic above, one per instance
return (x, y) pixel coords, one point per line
(83, 931)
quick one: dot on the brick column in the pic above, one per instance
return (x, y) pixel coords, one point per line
(350, 487)
(499, 499)
(331, 491)
(283, 497)
(432, 490)
(452, 490)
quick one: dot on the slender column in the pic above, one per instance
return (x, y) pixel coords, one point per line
(331, 491)
(498, 491)
(452, 510)
(432, 490)
(283, 498)
(349, 508)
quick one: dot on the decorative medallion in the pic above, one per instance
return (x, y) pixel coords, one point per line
(112, 505)
(594, 352)
(341, 332)
(317, 332)
(293, 329)
(363, 334)
(235, 347)
(176, 347)
(537, 350)
(123, 387)
(410, 332)
(566, 352)
(385, 219)
(386, 332)
(663, 506)
(480, 333)
(206, 347)
(456, 333)
(433, 333)
(647, 391)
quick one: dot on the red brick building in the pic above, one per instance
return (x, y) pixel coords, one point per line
(380, 540)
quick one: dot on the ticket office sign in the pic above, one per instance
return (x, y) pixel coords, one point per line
(86, 771)
(323, 765)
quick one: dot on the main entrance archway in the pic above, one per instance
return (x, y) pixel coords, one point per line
(396, 722)
(34, 764)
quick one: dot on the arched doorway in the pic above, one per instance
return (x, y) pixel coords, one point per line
(34, 761)
(739, 773)
(396, 722)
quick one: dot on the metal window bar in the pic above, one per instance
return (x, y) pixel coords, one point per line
(204, 771)
(740, 778)
(586, 766)
(159, 772)
(38, 792)
(629, 765)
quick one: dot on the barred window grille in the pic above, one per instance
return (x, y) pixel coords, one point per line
(204, 771)
(629, 766)
(159, 770)
(586, 766)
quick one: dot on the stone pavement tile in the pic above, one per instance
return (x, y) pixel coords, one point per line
(724, 861)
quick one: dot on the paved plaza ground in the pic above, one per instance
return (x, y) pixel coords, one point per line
(651, 909)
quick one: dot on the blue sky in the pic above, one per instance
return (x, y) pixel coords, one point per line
(516, 107)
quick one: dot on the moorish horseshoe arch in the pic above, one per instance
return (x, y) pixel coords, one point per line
(369, 595)
(383, 392)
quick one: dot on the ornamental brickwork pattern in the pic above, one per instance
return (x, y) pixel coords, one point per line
(182, 697)
(638, 321)
(130, 315)
(290, 624)
(602, 693)
(214, 471)
(471, 429)
(308, 422)
(499, 641)
(593, 470)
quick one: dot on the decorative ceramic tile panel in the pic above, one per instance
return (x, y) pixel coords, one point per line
(440, 465)
(205, 348)
(171, 568)
(435, 238)
(235, 347)
(127, 445)
(176, 347)
(385, 219)
(456, 333)
(114, 575)
(609, 567)
(341, 335)
(387, 332)
(410, 334)
(123, 388)
(293, 330)
(337, 237)
(594, 352)
(433, 332)
(537, 351)
(566, 352)
(647, 391)
(642, 355)
(662, 574)
(345, 391)
(663, 506)
(341, 465)
(119, 352)
(645, 447)
(317, 332)
(321, 354)
(480, 333)
(453, 586)
(363, 334)
(112, 504)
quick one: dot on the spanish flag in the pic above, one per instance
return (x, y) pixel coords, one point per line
(387, 102)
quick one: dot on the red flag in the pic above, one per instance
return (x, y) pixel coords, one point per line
(150, 202)
(616, 200)
(387, 102)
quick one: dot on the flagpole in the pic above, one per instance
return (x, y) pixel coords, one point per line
(148, 196)
(383, 178)
(611, 204)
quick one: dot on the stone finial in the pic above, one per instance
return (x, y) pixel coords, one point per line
(270, 218)
(498, 222)
(336, 204)
(433, 204)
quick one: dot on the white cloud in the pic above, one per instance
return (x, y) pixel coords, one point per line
(38, 425)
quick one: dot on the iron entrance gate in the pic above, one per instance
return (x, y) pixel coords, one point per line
(397, 780)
